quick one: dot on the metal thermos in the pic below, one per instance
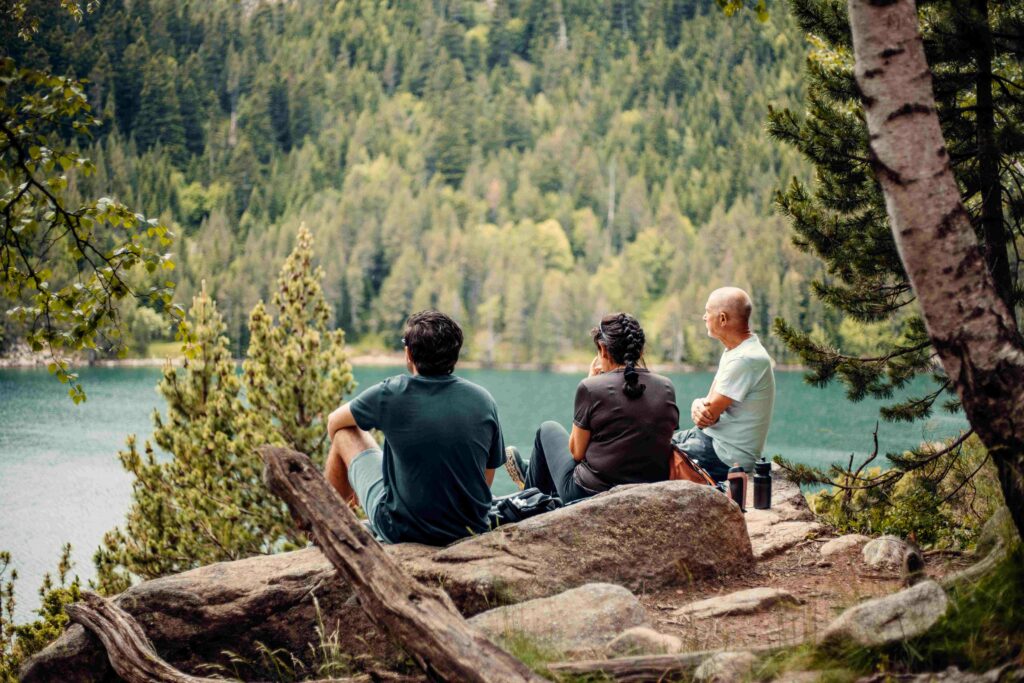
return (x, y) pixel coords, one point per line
(738, 486)
(762, 484)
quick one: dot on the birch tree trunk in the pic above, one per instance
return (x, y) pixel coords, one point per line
(970, 325)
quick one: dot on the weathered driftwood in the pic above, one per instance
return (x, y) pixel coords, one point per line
(130, 652)
(132, 655)
(423, 620)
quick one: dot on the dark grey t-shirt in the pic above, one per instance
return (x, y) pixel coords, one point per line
(440, 433)
(630, 439)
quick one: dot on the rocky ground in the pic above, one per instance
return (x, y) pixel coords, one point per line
(663, 568)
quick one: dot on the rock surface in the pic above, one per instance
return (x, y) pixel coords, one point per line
(641, 640)
(194, 616)
(639, 536)
(889, 618)
(886, 552)
(726, 667)
(578, 620)
(786, 523)
(843, 543)
(740, 602)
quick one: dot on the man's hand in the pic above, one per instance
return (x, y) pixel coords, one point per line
(701, 414)
(595, 366)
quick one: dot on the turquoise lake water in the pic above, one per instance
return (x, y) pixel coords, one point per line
(60, 480)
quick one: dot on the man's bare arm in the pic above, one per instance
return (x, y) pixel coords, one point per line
(340, 419)
(710, 409)
(489, 476)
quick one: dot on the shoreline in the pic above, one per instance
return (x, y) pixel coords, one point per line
(28, 360)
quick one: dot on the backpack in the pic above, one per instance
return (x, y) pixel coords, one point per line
(521, 505)
(682, 466)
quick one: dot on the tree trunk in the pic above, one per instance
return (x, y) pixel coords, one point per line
(969, 323)
(992, 225)
(423, 620)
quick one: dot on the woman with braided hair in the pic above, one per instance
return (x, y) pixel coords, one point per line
(623, 422)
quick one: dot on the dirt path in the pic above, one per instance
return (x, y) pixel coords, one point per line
(787, 540)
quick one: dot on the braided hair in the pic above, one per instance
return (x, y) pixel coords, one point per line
(622, 335)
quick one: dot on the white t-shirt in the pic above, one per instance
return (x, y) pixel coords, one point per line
(744, 375)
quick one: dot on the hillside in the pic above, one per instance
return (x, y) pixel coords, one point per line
(522, 165)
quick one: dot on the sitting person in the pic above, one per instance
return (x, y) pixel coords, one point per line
(442, 443)
(731, 422)
(622, 424)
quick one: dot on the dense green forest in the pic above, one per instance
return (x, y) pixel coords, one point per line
(524, 165)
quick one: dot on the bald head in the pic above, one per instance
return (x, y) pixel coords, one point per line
(732, 301)
(727, 315)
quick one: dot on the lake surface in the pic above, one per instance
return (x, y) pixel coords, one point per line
(60, 479)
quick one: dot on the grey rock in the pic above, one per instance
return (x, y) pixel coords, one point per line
(890, 618)
(650, 535)
(888, 552)
(641, 640)
(740, 602)
(640, 536)
(726, 667)
(579, 620)
(777, 537)
(842, 544)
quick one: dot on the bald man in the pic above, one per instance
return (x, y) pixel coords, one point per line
(731, 422)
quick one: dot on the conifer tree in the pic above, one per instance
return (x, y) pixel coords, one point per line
(207, 502)
(974, 51)
(160, 120)
(296, 370)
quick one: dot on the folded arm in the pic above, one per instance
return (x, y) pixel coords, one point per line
(340, 419)
(706, 411)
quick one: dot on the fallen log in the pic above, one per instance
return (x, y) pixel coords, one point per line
(423, 620)
(130, 652)
(645, 668)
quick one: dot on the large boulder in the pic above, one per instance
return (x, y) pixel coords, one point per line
(194, 617)
(579, 620)
(639, 536)
(890, 618)
(642, 536)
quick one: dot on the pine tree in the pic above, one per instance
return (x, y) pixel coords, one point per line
(296, 370)
(159, 119)
(974, 51)
(207, 502)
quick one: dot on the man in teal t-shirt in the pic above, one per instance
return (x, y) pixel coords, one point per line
(442, 443)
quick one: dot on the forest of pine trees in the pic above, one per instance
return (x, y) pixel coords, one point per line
(524, 165)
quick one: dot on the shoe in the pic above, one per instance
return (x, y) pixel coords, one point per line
(515, 467)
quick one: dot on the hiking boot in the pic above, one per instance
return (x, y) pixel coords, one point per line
(515, 467)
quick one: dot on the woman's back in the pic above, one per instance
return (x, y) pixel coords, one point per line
(630, 438)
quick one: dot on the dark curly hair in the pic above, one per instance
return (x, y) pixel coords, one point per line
(622, 335)
(434, 341)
